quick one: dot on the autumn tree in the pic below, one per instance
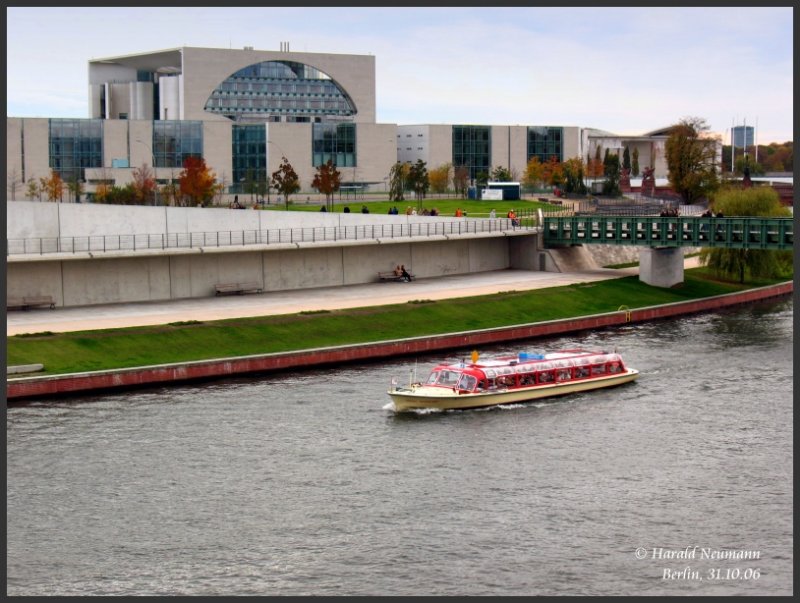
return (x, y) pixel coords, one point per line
(54, 187)
(398, 181)
(461, 180)
(691, 159)
(196, 182)
(144, 184)
(285, 180)
(534, 173)
(553, 172)
(327, 181)
(759, 201)
(440, 178)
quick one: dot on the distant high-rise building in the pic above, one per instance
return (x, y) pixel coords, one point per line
(743, 135)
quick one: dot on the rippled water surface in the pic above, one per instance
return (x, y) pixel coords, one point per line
(307, 484)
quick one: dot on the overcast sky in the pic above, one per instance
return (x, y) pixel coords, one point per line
(625, 70)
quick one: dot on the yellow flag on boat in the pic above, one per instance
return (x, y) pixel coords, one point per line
(474, 356)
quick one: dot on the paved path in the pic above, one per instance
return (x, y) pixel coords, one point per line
(110, 316)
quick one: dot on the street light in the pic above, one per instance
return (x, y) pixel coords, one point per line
(153, 159)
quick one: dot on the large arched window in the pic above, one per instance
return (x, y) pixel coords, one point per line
(280, 90)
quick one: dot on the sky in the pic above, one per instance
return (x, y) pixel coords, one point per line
(624, 70)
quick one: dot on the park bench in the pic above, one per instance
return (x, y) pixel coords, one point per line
(30, 301)
(391, 276)
(236, 288)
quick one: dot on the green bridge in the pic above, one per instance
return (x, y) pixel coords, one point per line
(661, 232)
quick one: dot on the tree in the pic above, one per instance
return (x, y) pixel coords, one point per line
(534, 173)
(612, 175)
(418, 181)
(501, 174)
(398, 177)
(758, 263)
(285, 180)
(144, 185)
(635, 162)
(691, 159)
(32, 190)
(573, 176)
(13, 182)
(197, 183)
(440, 178)
(327, 181)
(75, 188)
(54, 186)
(553, 172)
(626, 159)
(461, 180)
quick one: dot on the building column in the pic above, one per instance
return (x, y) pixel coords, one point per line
(662, 267)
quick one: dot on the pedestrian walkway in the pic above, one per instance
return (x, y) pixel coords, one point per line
(111, 316)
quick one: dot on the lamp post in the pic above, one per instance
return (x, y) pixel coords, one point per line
(153, 160)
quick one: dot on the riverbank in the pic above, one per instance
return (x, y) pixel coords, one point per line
(80, 383)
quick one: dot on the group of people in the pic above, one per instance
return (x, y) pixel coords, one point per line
(709, 214)
(400, 270)
(411, 211)
(670, 212)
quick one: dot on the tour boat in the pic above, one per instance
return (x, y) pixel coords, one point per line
(510, 379)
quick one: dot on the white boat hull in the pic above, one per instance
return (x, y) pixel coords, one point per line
(420, 397)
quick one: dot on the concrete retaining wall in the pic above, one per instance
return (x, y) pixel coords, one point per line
(85, 279)
(34, 387)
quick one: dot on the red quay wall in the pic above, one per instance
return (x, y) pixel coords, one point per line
(81, 383)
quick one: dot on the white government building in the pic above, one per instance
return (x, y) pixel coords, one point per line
(242, 110)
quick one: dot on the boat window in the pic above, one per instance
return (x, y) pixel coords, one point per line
(433, 377)
(467, 383)
(545, 376)
(581, 372)
(449, 378)
(527, 379)
(506, 380)
(614, 367)
(564, 375)
(599, 369)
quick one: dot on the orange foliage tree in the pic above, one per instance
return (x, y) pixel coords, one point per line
(327, 181)
(144, 184)
(53, 186)
(197, 182)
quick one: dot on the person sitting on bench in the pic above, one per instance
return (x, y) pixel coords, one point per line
(405, 274)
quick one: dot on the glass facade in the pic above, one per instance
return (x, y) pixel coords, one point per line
(174, 141)
(336, 142)
(545, 143)
(472, 148)
(250, 153)
(295, 91)
(75, 144)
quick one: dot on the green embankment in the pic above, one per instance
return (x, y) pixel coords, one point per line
(142, 346)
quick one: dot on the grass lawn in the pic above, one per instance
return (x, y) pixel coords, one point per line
(446, 207)
(142, 346)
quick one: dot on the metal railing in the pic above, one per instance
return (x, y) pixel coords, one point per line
(277, 236)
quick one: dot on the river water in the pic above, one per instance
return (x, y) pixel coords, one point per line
(308, 484)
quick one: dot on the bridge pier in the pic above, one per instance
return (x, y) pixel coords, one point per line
(661, 267)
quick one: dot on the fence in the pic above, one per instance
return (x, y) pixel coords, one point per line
(165, 241)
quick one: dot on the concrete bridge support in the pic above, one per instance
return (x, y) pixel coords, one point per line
(662, 267)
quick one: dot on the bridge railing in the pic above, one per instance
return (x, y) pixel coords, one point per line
(734, 232)
(277, 236)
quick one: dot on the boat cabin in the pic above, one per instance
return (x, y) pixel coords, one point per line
(525, 370)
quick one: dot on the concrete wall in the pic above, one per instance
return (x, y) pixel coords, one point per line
(129, 276)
